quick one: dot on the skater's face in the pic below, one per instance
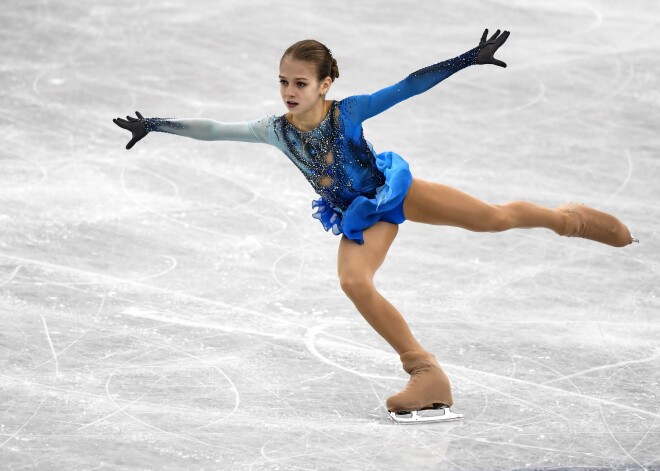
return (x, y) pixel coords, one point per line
(300, 87)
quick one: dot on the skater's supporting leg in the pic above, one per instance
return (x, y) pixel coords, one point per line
(433, 203)
(357, 265)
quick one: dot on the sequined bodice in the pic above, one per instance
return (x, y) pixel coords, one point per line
(336, 167)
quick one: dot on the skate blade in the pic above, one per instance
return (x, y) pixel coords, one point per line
(438, 414)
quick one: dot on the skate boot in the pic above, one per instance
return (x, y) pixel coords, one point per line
(596, 225)
(427, 396)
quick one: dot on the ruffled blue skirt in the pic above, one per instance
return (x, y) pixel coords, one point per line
(364, 212)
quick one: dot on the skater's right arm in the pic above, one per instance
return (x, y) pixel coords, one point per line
(196, 128)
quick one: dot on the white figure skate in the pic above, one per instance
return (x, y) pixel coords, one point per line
(439, 413)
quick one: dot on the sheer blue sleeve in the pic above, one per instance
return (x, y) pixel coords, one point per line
(210, 130)
(363, 107)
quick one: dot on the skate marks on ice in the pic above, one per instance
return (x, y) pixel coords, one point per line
(166, 391)
(476, 377)
(540, 407)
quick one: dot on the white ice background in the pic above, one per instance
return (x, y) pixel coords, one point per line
(176, 306)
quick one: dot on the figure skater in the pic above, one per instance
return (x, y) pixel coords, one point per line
(365, 195)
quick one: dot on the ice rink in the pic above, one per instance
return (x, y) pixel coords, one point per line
(176, 307)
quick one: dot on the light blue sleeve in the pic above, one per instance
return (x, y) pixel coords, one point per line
(211, 130)
(362, 107)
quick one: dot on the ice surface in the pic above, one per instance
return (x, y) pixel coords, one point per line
(177, 307)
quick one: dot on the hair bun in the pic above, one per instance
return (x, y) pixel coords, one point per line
(334, 69)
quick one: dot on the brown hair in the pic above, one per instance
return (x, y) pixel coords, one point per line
(312, 51)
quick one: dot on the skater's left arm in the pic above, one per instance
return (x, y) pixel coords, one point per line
(367, 106)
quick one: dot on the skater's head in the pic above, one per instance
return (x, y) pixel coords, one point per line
(307, 70)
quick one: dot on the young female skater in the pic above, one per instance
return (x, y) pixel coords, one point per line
(365, 195)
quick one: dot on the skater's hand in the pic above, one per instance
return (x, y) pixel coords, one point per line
(136, 126)
(487, 48)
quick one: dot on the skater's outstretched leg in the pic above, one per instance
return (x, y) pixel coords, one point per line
(357, 265)
(433, 203)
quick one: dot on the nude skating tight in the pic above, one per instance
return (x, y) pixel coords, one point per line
(429, 203)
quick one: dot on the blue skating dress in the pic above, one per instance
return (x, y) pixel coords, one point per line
(357, 186)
